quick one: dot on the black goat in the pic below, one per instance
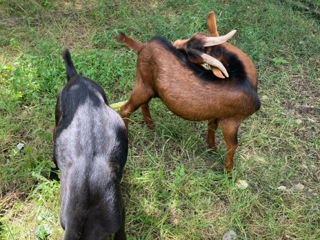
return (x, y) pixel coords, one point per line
(90, 149)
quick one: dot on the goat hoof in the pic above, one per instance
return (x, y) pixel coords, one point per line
(151, 126)
(229, 169)
(214, 148)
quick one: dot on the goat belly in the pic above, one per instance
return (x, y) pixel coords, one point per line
(199, 102)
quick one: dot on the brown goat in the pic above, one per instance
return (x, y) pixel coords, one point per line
(173, 73)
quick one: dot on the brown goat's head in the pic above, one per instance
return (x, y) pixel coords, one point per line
(198, 47)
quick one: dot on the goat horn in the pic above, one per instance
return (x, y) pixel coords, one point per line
(212, 41)
(215, 63)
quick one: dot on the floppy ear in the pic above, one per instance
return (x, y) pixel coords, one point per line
(199, 57)
(217, 72)
(195, 56)
(212, 24)
(180, 44)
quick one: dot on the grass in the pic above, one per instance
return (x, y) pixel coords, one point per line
(174, 187)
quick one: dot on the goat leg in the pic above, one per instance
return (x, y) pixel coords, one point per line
(120, 234)
(147, 116)
(212, 127)
(140, 96)
(230, 130)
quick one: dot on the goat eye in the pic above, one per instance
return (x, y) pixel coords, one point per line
(215, 51)
(195, 44)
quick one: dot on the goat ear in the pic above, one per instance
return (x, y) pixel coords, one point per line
(212, 24)
(215, 63)
(181, 44)
(217, 72)
(195, 56)
(198, 57)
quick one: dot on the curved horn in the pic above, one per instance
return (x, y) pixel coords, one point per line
(212, 41)
(214, 62)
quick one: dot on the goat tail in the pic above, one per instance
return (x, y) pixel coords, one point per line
(71, 70)
(134, 44)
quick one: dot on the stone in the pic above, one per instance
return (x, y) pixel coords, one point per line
(242, 184)
(230, 235)
(282, 188)
(299, 187)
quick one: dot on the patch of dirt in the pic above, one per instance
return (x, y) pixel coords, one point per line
(304, 106)
(310, 8)
(80, 35)
(306, 133)
(68, 23)
(6, 203)
(305, 109)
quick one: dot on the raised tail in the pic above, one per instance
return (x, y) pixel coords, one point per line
(71, 70)
(134, 44)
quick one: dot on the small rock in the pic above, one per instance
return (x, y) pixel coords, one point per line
(176, 221)
(242, 184)
(282, 188)
(299, 187)
(230, 235)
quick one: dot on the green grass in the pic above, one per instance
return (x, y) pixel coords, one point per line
(173, 186)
